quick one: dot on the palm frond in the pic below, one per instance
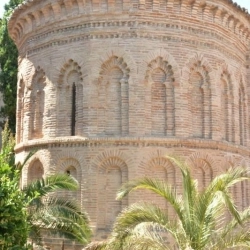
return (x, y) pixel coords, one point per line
(230, 178)
(63, 217)
(20, 166)
(97, 245)
(157, 186)
(221, 183)
(136, 214)
(239, 239)
(44, 186)
(146, 236)
(201, 216)
(190, 197)
(233, 225)
(213, 219)
(230, 204)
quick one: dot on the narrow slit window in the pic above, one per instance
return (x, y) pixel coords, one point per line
(73, 113)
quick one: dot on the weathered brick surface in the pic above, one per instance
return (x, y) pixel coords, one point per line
(107, 89)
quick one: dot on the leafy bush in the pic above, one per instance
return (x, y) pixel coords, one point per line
(9, 68)
(13, 215)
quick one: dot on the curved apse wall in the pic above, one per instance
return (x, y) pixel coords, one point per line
(107, 89)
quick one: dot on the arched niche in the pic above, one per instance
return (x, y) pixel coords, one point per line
(227, 107)
(35, 171)
(161, 168)
(70, 100)
(202, 168)
(200, 101)
(37, 103)
(113, 98)
(112, 172)
(71, 166)
(160, 97)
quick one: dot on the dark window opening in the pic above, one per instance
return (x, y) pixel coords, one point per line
(73, 111)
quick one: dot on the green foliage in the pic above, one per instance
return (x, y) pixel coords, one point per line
(56, 215)
(13, 216)
(7, 150)
(29, 212)
(200, 221)
(9, 67)
(14, 227)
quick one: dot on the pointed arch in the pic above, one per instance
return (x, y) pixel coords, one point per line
(227, 107)
(160, 78)
(197, 76)
(69, 100)
(200, 100)
(113, 92)
(37, 98)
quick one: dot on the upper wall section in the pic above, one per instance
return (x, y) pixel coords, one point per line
(42, 17)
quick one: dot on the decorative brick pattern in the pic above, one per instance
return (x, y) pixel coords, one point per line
(113, 93)
(107, 89)
(69, 120)
(37, 100)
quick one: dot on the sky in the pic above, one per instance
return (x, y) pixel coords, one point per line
(242, 3)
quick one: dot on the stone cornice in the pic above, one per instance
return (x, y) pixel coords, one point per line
(33, 13)
(75, 141)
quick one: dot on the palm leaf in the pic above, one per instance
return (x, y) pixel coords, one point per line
(146, 236)
(200, 221)
(97, 245)
(222, 183)
(20, 166)
(39, 188)
(233, 225)
(239, 239)
(136, 214)
(189, 198)
(56, 215)
(64, 217)
(156, 186)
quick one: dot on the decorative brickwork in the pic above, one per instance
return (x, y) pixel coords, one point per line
(37, 102)
(106, 89)
(113, 92)
(70, 100)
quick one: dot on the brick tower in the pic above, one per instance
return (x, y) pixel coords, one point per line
(106, 89)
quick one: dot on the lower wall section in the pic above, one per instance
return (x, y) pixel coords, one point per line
(102, 166)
